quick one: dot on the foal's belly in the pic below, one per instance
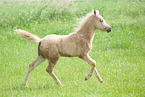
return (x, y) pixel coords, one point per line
(69, 50)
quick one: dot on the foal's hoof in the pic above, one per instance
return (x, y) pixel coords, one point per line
(86, 78)
(25, 85)
(101, 81)
(59, 83)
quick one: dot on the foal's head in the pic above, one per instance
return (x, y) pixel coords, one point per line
(100, 22)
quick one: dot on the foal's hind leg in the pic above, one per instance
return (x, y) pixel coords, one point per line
(35, 63)
(92, 63)
(50, 68)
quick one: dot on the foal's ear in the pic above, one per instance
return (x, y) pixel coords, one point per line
(96, 12)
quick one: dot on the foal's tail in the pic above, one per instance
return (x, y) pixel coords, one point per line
(28, 35)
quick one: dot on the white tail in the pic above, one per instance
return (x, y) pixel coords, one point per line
(28, 35)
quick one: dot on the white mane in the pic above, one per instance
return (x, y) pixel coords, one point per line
(83, 21)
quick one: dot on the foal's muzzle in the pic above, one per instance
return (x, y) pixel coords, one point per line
(109, 30)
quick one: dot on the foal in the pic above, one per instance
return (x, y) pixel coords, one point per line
(77, 44)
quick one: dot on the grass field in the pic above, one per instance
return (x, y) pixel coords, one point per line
(120, 55)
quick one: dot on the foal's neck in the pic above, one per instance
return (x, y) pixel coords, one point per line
(87, 30)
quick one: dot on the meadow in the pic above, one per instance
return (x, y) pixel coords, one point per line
(120, 55)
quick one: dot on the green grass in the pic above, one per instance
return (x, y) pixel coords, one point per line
(120, 55)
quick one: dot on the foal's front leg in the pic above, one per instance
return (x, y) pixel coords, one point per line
(92, 63)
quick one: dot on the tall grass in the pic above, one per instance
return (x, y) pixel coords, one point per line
(119, 55)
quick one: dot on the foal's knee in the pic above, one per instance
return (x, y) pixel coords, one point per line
(93, 63)
(49, 70)
(31, 66)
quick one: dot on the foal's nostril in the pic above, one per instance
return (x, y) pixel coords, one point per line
(109, 30)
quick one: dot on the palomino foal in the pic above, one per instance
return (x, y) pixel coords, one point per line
(77, 44)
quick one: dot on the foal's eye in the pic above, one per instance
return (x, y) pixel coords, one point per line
(101, 20)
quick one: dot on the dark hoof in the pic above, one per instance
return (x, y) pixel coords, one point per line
(101, 81)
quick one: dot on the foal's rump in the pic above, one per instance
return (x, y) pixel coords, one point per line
(49, 46)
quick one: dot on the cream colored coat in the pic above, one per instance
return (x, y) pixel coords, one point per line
(76, 44)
